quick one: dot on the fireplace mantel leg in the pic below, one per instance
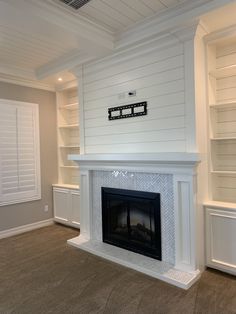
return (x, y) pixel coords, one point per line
(85, 204)
(185, 222)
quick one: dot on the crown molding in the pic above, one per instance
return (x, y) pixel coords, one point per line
(161, 23)
(162, 41)
(122, 55)
(6, 78)
(227, 32)
(202, 30)
(187, 32)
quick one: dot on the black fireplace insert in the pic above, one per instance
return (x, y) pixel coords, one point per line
(132, 220)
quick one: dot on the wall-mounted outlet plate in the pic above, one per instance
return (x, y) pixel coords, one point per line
(46, 208)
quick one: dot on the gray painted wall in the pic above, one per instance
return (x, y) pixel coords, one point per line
(29, 212)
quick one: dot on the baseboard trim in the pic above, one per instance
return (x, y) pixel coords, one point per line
(18, 230)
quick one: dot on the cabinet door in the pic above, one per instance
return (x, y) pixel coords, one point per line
(61, 205)
(75, 208)
(220, 239)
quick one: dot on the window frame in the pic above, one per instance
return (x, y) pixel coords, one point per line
(22, 197)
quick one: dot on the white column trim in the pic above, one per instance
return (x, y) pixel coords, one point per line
(185, 206)
(85, 203)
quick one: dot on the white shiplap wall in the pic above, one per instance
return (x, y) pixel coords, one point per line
(158, 77)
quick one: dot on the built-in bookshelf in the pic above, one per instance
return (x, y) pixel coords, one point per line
(222, 121)
(220, 208)
(68, 137)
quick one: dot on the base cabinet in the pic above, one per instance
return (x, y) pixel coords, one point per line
(220, 239)
(66, 206)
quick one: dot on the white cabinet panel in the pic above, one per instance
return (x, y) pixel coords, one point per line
(66, 206)
(220, 239)
(60, 198)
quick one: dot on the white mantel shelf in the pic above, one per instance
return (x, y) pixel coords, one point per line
(180, 158)
(172, 163)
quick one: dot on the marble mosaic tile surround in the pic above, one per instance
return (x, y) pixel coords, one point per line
(159, 183)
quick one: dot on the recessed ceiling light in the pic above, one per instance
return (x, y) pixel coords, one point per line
(59, 79)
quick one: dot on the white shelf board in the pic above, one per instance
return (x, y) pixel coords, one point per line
(224, 72)
(68, 126)
(66, 186)
(222, 138)
(70, 167)
(73, 106)
(222, 105)
(69, 146)
(220, 205)
(223, 172)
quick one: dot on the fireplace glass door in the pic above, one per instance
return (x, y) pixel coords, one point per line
(131, 220)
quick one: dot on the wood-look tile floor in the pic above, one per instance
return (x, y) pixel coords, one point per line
(40, 273)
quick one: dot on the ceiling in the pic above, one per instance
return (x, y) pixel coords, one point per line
(117, 15)
(42, 39)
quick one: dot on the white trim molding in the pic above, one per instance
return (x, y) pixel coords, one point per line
(174, 163)
(183, 168)
(185, 229)
(17, 80)
(25, 228)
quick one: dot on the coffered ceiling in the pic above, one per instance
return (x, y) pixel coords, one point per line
(43, 39)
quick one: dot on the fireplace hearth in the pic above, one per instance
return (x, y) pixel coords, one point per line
(173, 175)
(132, 220)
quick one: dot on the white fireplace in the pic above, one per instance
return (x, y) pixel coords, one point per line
(173, 175)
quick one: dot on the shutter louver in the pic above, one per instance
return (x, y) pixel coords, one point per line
(19, 152)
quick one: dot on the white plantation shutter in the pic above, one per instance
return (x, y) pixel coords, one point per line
(19, 152)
